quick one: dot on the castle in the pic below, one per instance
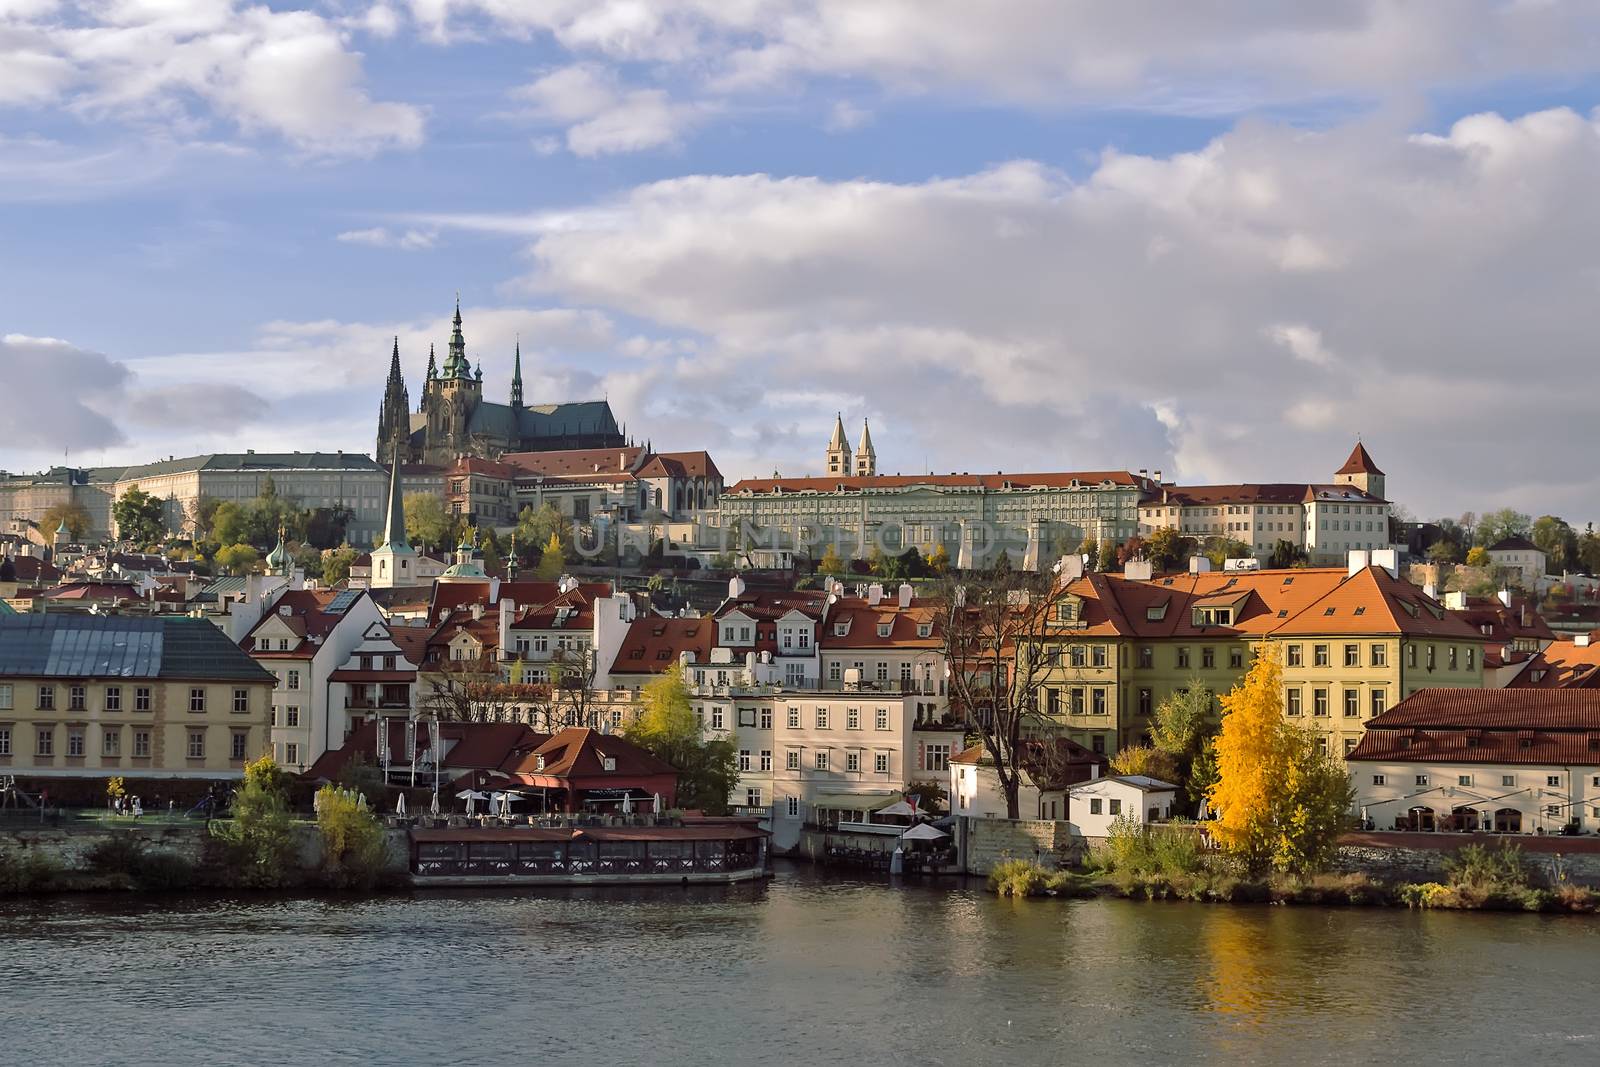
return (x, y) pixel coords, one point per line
(453, 419)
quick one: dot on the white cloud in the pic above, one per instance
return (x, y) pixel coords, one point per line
(602, 116)
(1018, 317)
(179, 65)
(380, 237)
(845, 116)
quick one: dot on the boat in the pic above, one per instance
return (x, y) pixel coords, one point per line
(704, 851)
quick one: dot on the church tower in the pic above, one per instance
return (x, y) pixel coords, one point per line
(453, 397)
(838, 451)
(1361, 472)
(394, 414)
(394, 562)
(516, 379)
(866, 455)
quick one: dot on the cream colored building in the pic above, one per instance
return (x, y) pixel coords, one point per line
(85, 696)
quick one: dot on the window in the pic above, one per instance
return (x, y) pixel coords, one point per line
(5, 698)
(1472, 657)
(1380, 655)
(241, 701)
(141, 698)
(821, 758)
(766, 759)
(792, 759)
(1208, 657)
(1147, 657)
(1463, 779)
(197, 744)
(237, 745)
(1052, 702)
(1115, 807)
(77, 698)
(793, 807)
(1319, 702)
(44, 741)
(1075, 656)
(880, 762)
(1320, 654)
(717, 717)
(1422, 779)
(1454, 652)
(141, 744)
(794, 718)
(1411, 655)
(1146, 702)
(1183, 657)
(881, 719)
(1294, 659)
(1098, 744)
(1292, 702)
(111, 741)
(1553, 780)
(47, 698)
(1507, 781)
(1094, 806)
(744, 759)
(1077, 700)
(852, 719)
(822, 718)
(291, 754)
(5, 740)
(1352, 703)
(1432, 656)
(883, 672)
(1097, 702)
(291, 715)
(1352, 655)
(1378, 779)
(1236, 658)
(766, 718)
(852, 762)
(936, 758)
(294, 680)
(75, 741)
(1098, 655)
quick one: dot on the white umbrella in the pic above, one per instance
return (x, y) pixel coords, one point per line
(400, 805)
(361, 802)
(657, 808)
(435, 807)
(899, 807)
(627, 804)
(923, 832)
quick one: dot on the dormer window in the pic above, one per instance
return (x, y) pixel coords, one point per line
(925, 629)
(841, 629)
(884, 629)
(608, 763)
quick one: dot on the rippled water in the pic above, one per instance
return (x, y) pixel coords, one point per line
(799, 970)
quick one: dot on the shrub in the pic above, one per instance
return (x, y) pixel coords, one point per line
(353, 843)
(143, 868)
(1487, 867)
(1017, 878)
(258, 840)
(28, 871)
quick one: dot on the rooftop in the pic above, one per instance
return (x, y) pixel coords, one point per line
(116, 646)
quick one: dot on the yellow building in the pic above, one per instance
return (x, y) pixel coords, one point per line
(89, 696)
(1353, 642)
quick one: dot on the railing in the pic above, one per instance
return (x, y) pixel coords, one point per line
(362, 704)
(887, 687)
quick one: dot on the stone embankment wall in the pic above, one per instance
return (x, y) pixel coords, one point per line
(1415, 857)
(982, 843)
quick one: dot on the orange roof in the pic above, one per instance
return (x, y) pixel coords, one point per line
(575, 463)
(478, 465)
(1086, 479)
(1372, 602)
(1562, 665)
(680, 465)
(1359, 462)
(653, 644)
(862, 621)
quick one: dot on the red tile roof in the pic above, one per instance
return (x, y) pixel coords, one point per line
(579, 752)
(1359, 462)
(680, 465)
(1562, 665)
(653, 644)
(828, 484)
(578, 463)
(469, 746)
(862, 620)
(1499, 709)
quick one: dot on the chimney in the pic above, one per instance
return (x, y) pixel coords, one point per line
(1505, 597)
(1157, 476)
(1138, 570)
(1199, 565)
(477, 611)
(874, 595)
(1581, 641)
(906, 594)
(1455, 600)
(1388, 559)
(508, 611)
(735, 587)
(1430, 591)
(1357, 560)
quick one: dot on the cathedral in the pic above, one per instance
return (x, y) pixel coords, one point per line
(453, 419)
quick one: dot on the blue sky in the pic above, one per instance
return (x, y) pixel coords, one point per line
(1029, 235)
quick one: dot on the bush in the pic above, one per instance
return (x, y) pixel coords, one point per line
(1018, 878)
(125, 857)
(258, 839)
(353, 845)
(1488, 868)
(28, 871)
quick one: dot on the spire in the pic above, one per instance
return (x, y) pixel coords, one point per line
(1360, 462)
(455, 363)
(394, 362)
(866, 455)
(866, 439)
(838, 458)
(516, 377)
(836, 442)
(433, 368)
(394, 527)
(394, 419)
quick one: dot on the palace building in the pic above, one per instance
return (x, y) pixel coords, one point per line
(453, 419)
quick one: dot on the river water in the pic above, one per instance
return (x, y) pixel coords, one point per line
(800, 970)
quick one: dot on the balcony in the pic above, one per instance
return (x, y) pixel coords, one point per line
(380, 704)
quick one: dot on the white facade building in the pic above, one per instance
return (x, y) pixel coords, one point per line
(1094, 805)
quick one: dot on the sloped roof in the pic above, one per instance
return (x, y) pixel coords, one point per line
(653, 644)
(1360, 462)
(118, 646)
(880, 482)
(680, 465)
(862, 620)
(575, 462)
(1514, 544)
(1500, 709)
(579, 751)
(1562, 665)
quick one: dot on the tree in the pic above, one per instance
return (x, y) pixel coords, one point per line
(1589, 550)
(1221, 549)
(668, 729)
(237, 559)
(426, 521)
(997, 630)
(75, 515)
(552, 562)
(1558, 541)
(910, 563)
(140, 517)
(202, 513)
(1106, 558)
(1132, 548)
(1280, 799)
(939, 561)
(229, 525)
(1184, 724)
(353, 845)
(259, 836)
(535, 527)
(1146, 760)
(1167, 550)
(1286, 554)
(831, 563)
(1478, 556)
(1499, 525)
(336, 564)
(1444, 550)
(1088, 550)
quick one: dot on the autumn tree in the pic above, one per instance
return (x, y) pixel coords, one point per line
(1147, 760)
(1280, 799)
(237, 559)
(668, 728)
(831, 562)
(140, 517)
(1478, 556)
(535, 526)
(71, 514)
(553, 561)
(998, 626)
(939, 561)
(1106, 558)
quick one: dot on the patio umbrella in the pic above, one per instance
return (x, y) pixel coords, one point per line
(400, 805)
(657, 808)
(627, 804)
(923, 832)
(899, 807)
(435, 807)
(361, 802)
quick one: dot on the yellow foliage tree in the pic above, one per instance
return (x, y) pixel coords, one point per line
(1280, 800)
(553, 561)
(939, 561)
(353, 845)
(830, 563)
(1145, 760)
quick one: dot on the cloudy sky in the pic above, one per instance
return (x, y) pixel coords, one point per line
(1218, 238)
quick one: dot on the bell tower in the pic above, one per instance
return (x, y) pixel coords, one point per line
(838, 450)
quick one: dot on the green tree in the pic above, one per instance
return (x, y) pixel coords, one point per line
(831, 563)
(336, 563)
(229, 525)
(1184, 724)
(1558, 541)
(668, 729)
(353, 846)
(426, 521)
(1221, 549)
(1589, 550)
(75, 515)
(1444, 550)
(1106, 557)
(1286, 554)
(140, 517)
(910, 564)
(553, 561)
(259, 837)
(202, 512)
(1499, 525)
(536, 526)
(1280, 800)
(237, 559)
(1168, 551)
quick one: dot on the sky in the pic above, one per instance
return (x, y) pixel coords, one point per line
(1219, 239)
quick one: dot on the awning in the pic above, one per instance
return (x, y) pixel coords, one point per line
(867, 802)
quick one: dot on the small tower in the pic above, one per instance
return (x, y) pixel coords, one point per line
(279, 561)
(1361, 472)
(516, 377)
(866, 456)
(394, 416)
(394, 562)
(838, 451)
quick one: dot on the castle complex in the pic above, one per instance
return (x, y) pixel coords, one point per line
(453, 419)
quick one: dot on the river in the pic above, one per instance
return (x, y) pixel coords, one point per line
(800, 970)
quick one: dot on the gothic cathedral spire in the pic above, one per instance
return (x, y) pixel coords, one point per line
(394, 415)
(516, 378)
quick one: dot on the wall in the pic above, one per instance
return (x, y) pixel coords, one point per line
(1404, 857)
(986, 842)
